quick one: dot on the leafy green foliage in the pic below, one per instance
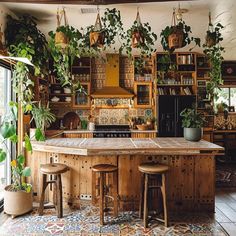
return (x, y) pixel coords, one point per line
(8, 132)
(191, 119)
(149, 39)
(43, 118)
(23, 38)
(214, 55)
(63, 58)
(3, 155)
(213, 35)
(180, 27)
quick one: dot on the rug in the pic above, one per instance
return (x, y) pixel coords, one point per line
(85, 222)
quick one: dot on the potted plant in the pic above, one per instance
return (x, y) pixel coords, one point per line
(213, 34)
(140, 36)
(213, 51)
(192, 122)
(43, 118)
(177, 35)
(18, 195)
(97, 34)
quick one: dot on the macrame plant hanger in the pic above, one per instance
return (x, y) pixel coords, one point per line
(60, 38)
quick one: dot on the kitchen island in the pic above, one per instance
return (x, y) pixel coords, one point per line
(190, 181)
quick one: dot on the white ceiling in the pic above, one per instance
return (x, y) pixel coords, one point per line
(157, 14)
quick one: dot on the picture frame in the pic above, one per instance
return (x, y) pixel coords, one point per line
(228, 69)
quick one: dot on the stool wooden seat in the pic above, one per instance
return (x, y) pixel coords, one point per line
(152, 169)
(55, 169)
(104, 188)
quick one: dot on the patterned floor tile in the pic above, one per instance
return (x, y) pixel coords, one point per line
(85, 222)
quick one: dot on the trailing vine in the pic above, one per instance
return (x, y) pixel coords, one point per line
(63, 58)
(213, 50)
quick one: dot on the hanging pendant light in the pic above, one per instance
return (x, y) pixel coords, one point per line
(60, 38)
(97, 36)
(137, 36)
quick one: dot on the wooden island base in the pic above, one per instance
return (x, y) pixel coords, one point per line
(190, 180)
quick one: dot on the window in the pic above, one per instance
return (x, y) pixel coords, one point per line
(227, 95)
(5, 97)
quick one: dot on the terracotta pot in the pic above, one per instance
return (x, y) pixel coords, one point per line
(61, 39)
(17, 203)
(175, 40)
(96, 39)
(210, 41)
(137, 39)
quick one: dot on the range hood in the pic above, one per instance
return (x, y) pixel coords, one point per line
(112, 87)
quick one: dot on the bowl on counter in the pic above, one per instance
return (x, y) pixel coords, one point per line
(57, 91)
(55, 99)
(68, 99)
(143, 127)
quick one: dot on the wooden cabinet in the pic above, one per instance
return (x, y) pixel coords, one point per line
(145, 134)
(143, 94)
(176, 73)
(82, 99)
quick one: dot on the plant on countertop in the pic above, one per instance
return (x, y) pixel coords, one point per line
(43, 118)
(191, 118)
(177, 35)
(213, 50)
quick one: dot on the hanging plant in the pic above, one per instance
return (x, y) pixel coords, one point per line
(177, 35)
(213, 34)
(23, 34)
(213, 50)
(63, 53)
(102, 35)
(97, 34)
(140, 36)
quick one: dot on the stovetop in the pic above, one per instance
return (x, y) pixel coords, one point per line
(112, 128)
(112, 131)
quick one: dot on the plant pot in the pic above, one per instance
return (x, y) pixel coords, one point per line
(17, 203)
(193, 134)
(175, 40)
(210, 39)
(61, 39)
(97, 38)
(137, 39)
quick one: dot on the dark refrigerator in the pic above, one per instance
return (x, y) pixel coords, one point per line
(168, 110)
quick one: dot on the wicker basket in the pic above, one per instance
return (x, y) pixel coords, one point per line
(143, 127)
(137, 39)
(97, 39)
(61, 39)
(175, 40)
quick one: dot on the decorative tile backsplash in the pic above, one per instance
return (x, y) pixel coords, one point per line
(113, 116)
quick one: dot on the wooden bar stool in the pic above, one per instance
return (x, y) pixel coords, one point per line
(104, 170)
(152, 169)
(55, 169)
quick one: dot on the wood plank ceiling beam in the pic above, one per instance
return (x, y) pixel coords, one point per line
(88, 2)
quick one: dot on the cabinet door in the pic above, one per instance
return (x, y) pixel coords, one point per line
(82, 99)
(166, 116)
(143, 92)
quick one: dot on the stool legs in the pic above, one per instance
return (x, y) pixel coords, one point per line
(145, 210)
(163, 191)
(143, 204)
(94, 186)
(59, 197)
(141, 197)
(101, 200)
(115, 193)
(41, 203)
(57, 194)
